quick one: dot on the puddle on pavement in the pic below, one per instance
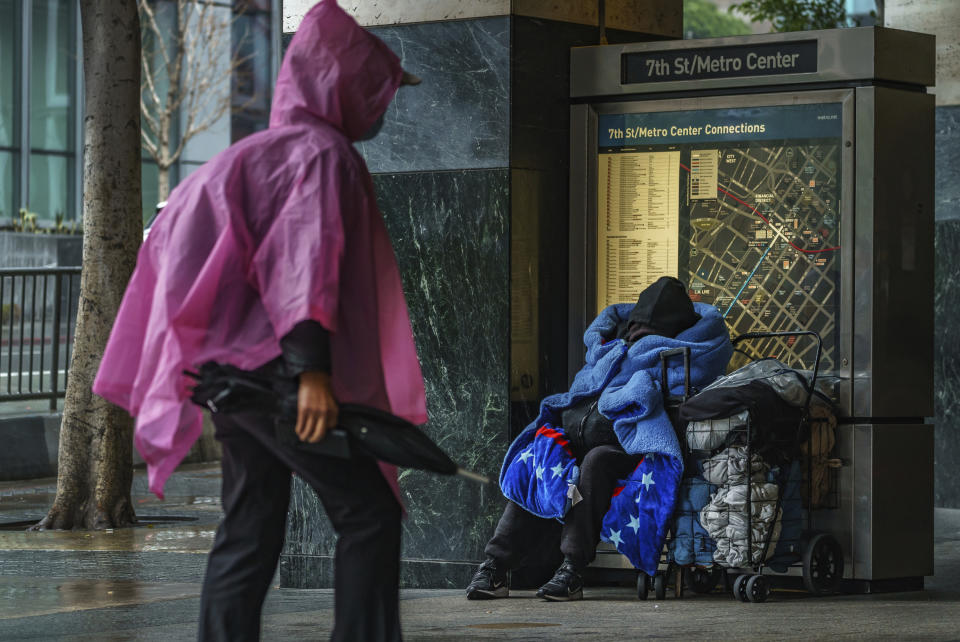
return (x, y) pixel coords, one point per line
(512, 625)
(153, 533)
(143, 521)
(177, 503)
(23, 597)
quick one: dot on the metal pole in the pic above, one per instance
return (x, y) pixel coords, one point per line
(276, 41)
(55, 338)
(43, 329)
(33, 331)
(78, 113)
(26, 26)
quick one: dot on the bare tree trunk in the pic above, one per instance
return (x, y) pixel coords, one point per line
(163, 183)
(95, 468)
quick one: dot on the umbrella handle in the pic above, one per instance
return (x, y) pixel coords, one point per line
(483, 479)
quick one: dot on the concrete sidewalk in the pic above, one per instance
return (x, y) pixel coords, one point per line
(144, 584)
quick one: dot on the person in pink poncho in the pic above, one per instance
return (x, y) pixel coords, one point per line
(274, 257)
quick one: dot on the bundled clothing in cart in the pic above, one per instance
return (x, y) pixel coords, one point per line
(745, 426)
(742, 517)
(548, 471)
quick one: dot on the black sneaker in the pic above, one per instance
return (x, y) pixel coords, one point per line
(489, 582)
(566, 585)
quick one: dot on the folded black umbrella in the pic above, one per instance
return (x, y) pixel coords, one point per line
(360, 429)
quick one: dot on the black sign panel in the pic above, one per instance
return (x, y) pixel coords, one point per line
(773, 59)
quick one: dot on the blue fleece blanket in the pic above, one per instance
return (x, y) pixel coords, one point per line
(691, 544)
(627, 380)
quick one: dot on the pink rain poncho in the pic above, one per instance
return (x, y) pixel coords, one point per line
(279, 228)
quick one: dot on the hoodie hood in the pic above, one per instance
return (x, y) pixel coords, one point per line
(335, 71)
(664, 307)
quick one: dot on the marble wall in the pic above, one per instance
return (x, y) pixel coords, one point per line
(442, 175)
(459, 116)
(942, 18)
(946, 320)
(450, 236)
(947, 365)
(471, 175)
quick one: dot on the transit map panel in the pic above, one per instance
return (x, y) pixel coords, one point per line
(742, 204)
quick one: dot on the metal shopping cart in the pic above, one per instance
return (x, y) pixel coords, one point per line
(771, 468)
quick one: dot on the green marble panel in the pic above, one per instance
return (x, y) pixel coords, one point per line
(947, 365)
(450, 232)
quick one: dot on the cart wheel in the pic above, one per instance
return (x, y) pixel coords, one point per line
(678, 582)
(660, 586)
(822, 564)
(757, 588)
(702, 580)
(643, 585)
(740, 587)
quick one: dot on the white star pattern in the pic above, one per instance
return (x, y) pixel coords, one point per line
(615, 538)
(539, 472)
(525, 455)
(557, 470)
(634, 524)
(647, 481)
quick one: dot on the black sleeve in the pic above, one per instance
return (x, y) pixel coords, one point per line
(306, 348)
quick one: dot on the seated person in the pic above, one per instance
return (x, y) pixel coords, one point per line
(614, 402)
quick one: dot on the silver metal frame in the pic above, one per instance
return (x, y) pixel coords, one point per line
(893, 267)
(866, 53)
(885, 518)
(78, 113)
(276, 35)
(26, 28)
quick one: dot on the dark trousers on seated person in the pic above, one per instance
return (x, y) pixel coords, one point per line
(520, 535)
(256, 492)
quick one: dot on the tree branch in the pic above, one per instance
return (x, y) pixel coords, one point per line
(200, 69)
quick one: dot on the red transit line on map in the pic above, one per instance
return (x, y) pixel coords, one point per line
(767, 221)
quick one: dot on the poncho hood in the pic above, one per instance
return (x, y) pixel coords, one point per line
(279, 228)
(335, 71)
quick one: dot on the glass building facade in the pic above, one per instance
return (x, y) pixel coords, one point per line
(39, 114)
(41, 103)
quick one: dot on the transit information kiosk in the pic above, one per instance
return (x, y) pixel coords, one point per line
(787, 179)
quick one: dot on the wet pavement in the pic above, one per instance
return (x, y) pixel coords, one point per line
(144, 584)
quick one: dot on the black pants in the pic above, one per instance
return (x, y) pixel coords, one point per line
(521, 535)
(256, 491)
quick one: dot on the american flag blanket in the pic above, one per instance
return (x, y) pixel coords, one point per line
(540, 473)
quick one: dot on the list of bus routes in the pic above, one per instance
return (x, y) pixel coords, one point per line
(751, 200)
(638, 222)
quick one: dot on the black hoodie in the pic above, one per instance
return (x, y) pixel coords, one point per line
(663, 308)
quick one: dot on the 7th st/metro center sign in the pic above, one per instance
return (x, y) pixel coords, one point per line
(720, 62)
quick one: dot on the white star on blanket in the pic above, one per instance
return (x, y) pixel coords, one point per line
(525, 455)
(634, 524)
(557, 470)
(647, 481)
(615, 538)
(539, 472)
